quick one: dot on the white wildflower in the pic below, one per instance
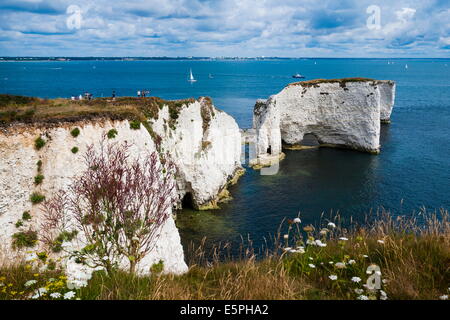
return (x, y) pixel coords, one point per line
(311, 265)
(69, 295)
(331, 262)
(297, 220)
(380, 241)
(356, 279)
(287, 249)
(331, 225)
(444, 297)
(365, 256)
(351, 261)
(320, 243)
(359, 291)
(286, 236)
(300, 249)
(311, 258)
(343, 239)
(30, 283)
(31, 256)
(339, 265)
(333, 277)
(363, 297)
(135, 238)
(66, 245)
(39, 293)
(323, 232)
(55, 295)
(311, 242)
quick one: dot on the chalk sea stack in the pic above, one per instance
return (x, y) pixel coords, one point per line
(339, 113)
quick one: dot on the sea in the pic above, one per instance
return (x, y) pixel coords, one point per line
(410, 175)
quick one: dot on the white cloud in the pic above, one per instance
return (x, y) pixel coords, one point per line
(228, 27)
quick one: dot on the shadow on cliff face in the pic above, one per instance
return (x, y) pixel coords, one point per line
(310, 140)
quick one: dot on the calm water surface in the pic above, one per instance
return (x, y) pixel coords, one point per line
(412, 171)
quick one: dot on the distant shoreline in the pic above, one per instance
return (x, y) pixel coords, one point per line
(68, 59)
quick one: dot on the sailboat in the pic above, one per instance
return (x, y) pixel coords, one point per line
(298, 76)
(191, 77)
(406, 66)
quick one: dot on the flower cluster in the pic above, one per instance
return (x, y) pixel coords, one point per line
(305, 251)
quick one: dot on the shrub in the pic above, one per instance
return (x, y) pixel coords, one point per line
(38, 179)
(36, 198)
(118, 204)
(19, 223)
(39, 165)
(112, 133)
(157, 268)
(206, 145)
(74, 150)
(24, 239)
(75, 132)
(39, 143)
(135, 125)
(56, 246)
(26, 215)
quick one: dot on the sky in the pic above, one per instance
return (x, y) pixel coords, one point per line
(245, 28)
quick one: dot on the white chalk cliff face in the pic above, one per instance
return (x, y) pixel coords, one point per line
(18, 167)
(341, 113)
(203, 142)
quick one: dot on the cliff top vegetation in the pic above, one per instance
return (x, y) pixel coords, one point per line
(20, 109)
(342, 82)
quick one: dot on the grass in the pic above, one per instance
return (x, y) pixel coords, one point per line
(413, 256)
(38, 179)
(24, 239)
(342, 82)
(39, 143)
(36, 198)
(34, 110)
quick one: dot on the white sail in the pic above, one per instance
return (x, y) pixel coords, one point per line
(191, 77)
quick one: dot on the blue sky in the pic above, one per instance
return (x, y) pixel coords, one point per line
(291, 28)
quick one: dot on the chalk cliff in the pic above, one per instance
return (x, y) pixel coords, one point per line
(340, 113)
(203, 142)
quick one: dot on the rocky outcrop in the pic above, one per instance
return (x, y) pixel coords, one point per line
(203, 142)
(339, 113)
(387, 100)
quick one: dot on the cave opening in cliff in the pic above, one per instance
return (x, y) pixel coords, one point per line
(188, 201)
(310, 140)
(269, 150)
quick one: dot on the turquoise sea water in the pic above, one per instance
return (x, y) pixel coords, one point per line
(412, 171)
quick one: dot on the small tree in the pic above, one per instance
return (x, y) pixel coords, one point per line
(118, 205)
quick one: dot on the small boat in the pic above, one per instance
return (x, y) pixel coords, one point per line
(406, 66)
(298, 76)
(191, 77)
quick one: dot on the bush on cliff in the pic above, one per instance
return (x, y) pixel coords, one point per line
(118, 204)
